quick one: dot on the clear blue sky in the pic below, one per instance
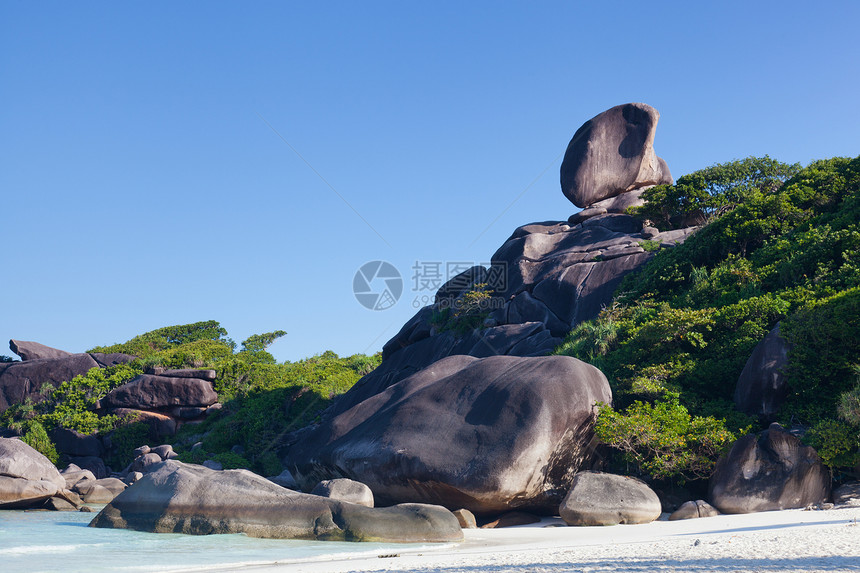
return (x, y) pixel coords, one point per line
(142, 187)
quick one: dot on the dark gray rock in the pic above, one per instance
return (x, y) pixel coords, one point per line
(605, 499)
(182, 498)
(21, 380)
(191, 373)
(285, 479)
(94, 464)
(149, 392)
(213, 465)
(766, 472)
(847, 494)
(693, 510)
(102, 490)
(345, 490)
(75, 475)
(112, 359)
(74, 443)
(461, 283)
(141, 450)
(761, 387)
(35, 351)
(512, 519)
(165, 451)
(146, 462)
(489, 435)
(613, 153)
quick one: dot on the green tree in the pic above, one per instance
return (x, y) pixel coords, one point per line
(701, 196)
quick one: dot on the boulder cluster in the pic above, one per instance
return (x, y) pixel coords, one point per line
(457, 426)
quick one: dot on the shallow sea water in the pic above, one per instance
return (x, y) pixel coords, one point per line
(50, 541)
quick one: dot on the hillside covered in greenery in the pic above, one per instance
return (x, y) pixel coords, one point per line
(779, 244)
(262, 399)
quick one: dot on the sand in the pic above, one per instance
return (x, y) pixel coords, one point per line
(792, 540)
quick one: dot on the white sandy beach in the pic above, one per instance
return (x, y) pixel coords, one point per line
(794, 540)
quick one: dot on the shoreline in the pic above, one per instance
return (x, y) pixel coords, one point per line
(788, 540)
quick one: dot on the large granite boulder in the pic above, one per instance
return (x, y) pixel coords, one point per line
(34, 351)
(769, 471)
(693, 510)
(27, 478)
(45, 365)
(613, 153)
(761, 387)
(184, 498)
(21, 380)
(345, 490)
(488, 435)
(74, 443)
(148, 391)
(597, 498)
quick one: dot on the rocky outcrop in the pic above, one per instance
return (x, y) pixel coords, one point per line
(769, 471)
(27, 478)
(44, 365)
(613, 153)
(550, 276)
(488, 435)
(761, 387)
(605, 499)
(34, 351)
(345, 490)
(147, 391)
(182, 498)
(693, 510)
(847, 494)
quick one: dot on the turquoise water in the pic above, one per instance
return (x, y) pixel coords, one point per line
(50, 541)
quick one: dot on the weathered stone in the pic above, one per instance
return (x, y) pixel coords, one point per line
(182, 498)
(613, 153)
(74, 443)
(132, 477)
(761, 387)
(35, 351)
(213, 465)
(112, 359)
(19, 460)
(160, 424)
(92, 463)
(74, 475)
(148, 392)
(693, 510)
(209, 374)
(141, 450)
(466, 518)
(847, 494)
(165, 451)
(103, 490)
(345, 490)
(60, 504)
(22, 380)
(27, 478)
(605, 499)
(512, 519)
(188, 412)
(769, 471)
(144, 463)
(285, 479)
(489, 435)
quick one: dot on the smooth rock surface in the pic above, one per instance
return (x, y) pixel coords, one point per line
(148, 392)
(769, 471)
(28, 350)
(694, 510)
(346, 490)
(761, 387)
(488, 435)
(606, 499)
(27, 478)
(184, 498)
(21, 380)
(613, 153)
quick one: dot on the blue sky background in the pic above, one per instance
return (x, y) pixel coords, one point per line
(142, 187)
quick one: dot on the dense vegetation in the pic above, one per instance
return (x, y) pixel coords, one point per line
(679, 332)
(262, 400)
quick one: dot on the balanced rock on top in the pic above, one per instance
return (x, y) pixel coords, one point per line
(613, 153)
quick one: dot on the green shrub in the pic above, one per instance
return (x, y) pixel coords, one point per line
(37, 438)
(467, 312)
(662, 440)
(129, 435)
(837, 443)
